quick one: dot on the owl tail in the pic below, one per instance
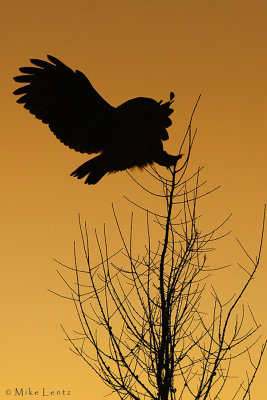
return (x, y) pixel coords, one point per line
(94, 168)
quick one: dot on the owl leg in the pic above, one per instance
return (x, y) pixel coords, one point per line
(165, 159)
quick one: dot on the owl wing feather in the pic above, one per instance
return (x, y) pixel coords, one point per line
(66, 101)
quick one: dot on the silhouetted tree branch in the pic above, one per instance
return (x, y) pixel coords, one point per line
(142, 325)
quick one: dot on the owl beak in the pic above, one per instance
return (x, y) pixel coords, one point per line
(170, 111)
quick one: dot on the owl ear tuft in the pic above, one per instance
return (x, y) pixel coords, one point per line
(172, 95)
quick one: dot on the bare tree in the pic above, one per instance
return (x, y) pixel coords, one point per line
(143, 329)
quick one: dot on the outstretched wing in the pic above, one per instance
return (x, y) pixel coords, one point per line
(66, 101)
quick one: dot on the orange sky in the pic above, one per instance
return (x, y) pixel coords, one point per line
(127, 49)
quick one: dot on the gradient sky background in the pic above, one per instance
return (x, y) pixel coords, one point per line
(127, 49)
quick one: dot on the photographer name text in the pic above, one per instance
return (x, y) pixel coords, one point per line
(44, 392)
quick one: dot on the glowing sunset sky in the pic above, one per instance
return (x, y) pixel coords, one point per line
(127, 49)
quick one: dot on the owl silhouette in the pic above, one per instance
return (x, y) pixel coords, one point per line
(126, 136)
